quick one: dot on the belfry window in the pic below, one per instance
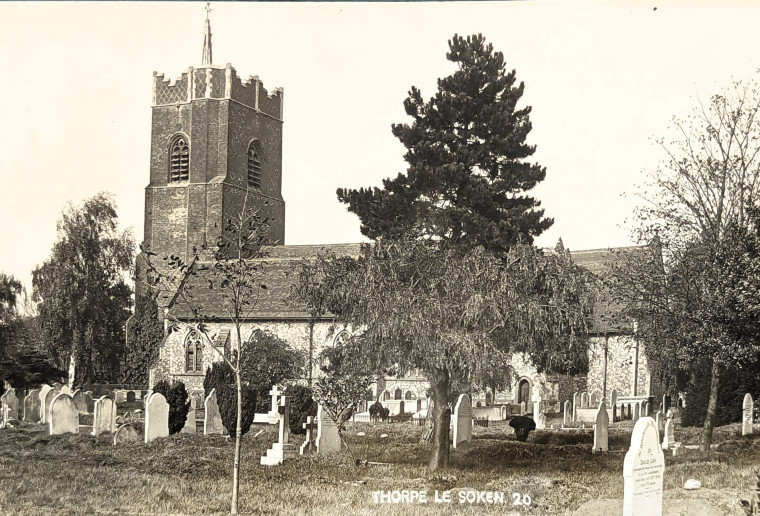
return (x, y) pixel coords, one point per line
(193, 353)
(254, 165)
(179, 159)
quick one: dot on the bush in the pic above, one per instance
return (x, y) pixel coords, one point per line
(301, 406)
(221, 377)
(378, 412)
(179, 404)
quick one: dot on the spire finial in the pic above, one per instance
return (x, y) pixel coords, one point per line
(206, 58)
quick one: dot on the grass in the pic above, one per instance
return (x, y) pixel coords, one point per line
(188, 474)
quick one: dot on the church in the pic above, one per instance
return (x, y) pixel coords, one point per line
(216, 144)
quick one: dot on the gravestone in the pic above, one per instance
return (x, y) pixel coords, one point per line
(669, 437)
(32, 407)
(79, 400)
(328, 439)
(584, 400)
(636, 412)
(43, 396)
(283, 449)
(120, 396)
(660, 422)
(613, 397)
(89, 402)
(9, 402)
(190, 425)
(462, 420)
(64, 416)
(523, 410)
(747, 417)
(643, 471)
(647, 408)
(601, 429)
(156, 417)
(273, 412)
(308, 447)
(104, 416)
(593, 401)
(51, 394)
(665, 403)
(212, 421)
(65, 389)
(568, 414)
(126, 433)
(576, 404)
(628, 411)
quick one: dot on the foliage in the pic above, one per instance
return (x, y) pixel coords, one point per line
(83, 296)
(221, 377)
(466, 151)
(145, 332)
(301, 406)
(377, 412)
(179, 404)
(267, 360)
(695, 293)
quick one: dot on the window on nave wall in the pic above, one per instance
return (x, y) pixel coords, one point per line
(179, 159)
(193, 353)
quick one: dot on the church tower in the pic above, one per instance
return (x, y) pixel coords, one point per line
(214, 139)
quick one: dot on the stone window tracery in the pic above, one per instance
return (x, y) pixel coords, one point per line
(254, 164)
(193, 352)
(179, 159)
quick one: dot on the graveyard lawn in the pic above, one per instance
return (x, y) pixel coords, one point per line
(190, 474)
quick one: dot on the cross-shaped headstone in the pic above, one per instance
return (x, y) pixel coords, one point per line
(308, 447)
(284, 416)
(275, 393)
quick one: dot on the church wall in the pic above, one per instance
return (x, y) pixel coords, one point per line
(620, 362)
(171, 360)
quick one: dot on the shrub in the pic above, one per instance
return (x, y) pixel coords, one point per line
(301, 406)
(179, 404)
(221, 377)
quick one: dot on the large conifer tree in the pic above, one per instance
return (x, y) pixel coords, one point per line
(466, 151)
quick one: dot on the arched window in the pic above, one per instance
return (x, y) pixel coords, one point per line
(386, 396)
(397, 394)
(408, 395)
(254, 164)
(179, 159)
(193, 352)
(342, 337)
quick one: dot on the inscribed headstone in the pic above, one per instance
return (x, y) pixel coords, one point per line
(156, 417)
(747, 417)
(462, 420)
(643, 471)
(212, 421)
(104, 416)
(64, 416)
(328, 439)
(32, 407)
(126, 433)
(601, 429)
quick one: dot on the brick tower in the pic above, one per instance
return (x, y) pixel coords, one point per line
(214, 139)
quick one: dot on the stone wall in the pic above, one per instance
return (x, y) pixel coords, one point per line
(621, 350)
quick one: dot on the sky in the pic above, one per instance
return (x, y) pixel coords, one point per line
(603, 79)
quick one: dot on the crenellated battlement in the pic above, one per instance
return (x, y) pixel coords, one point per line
(217, 82)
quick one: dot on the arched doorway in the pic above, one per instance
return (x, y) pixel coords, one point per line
(523, 391)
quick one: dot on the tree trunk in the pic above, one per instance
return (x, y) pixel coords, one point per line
(72, 369)
(442, 418)
(238, 432)
(311, 350)
(712, 405)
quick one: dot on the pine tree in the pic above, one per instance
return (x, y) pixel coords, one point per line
(466, 151)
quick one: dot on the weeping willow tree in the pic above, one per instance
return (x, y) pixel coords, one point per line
(458, 314)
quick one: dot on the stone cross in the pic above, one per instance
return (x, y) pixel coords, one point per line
(308, 447)
(282, 449)
(643, 471)
(747, 407)
(275, 393)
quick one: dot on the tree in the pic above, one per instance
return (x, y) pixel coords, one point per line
(694, 295)
(179, 404)
(82, 294)
(466, 151)
(235, 277)
(145, 332)
(458, 313)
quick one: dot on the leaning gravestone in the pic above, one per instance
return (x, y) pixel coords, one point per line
(328, 438)
(32, 406)
(156, 417)
(126, 433)
(747, 417)
(212, 421)
(64, 416)
(568, 414)
(643, 471)
(9, 402)
(462, 420)
(104, 417)
(601, 429)
(79, 400)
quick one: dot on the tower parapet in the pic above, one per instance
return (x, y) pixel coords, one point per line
(217, 82)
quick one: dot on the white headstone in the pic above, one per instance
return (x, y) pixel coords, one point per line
(613, 397)
(79, 400)
(669, 437)
(283, 449)
(212, 420)
(523, 409)
(43, 396)
(156, 417)
(104, 417)
(328, 438)
(64, 416)
(601, 429)
(747, 417)
(660, 421)
(462, 420)
(51, 394)
(643, 471)
(275, 393)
